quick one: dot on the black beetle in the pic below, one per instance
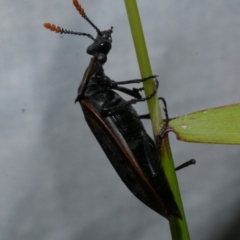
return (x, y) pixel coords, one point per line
(118, 128)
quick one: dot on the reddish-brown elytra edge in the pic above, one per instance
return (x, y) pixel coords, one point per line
(117, 126)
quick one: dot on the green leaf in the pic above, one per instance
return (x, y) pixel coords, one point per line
(219, 125)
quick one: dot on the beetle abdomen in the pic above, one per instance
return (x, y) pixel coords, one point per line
(123, 139)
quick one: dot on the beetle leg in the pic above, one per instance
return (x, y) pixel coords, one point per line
(132, 92)
(110, 110)
(144, 116)
(186, 164)
(165, 109)
(106, 81)
(167, 119)
(137, 80)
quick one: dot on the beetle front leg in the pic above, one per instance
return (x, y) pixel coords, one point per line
(109, 110)
(137, 80)
(106, 81)
(131, 92)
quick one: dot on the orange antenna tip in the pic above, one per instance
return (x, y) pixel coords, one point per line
(79, 7)
(52, 27)
(47, 25)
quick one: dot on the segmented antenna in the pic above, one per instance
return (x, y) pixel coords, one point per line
(110, 31)
(83, 14)
(60, 30)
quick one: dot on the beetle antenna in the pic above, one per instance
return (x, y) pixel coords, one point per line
(186, 164)
(83, 14)
(60, 30)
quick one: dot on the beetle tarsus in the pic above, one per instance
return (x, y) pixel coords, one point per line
(186, 164)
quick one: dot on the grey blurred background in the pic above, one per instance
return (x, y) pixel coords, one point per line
(55, 181)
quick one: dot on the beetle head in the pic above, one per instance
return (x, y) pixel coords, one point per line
(102, 44)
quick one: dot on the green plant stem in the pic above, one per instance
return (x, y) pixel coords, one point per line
(179, 229)
(144, 63)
